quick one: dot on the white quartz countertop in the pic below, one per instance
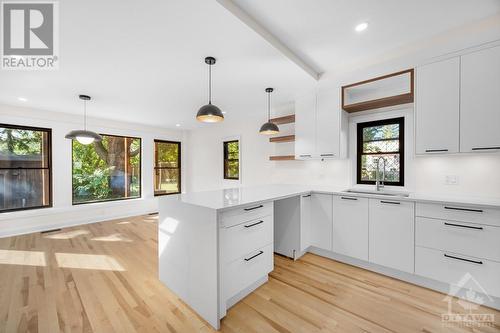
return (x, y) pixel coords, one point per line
(241, 196)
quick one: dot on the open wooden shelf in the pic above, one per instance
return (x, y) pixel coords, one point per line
(285, 138)
(283, 120)
(282, 158)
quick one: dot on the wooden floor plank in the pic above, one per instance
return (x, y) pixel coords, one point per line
(102, 277)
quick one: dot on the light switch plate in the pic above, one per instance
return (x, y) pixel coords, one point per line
(451, 180)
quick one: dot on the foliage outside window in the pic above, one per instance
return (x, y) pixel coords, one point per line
(25, 168)
(381, 139)
(107, 170)
(167, 167)
(232, 160)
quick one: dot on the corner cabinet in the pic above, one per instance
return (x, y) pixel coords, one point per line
(480, 101)
(321, 129)
(437, 107)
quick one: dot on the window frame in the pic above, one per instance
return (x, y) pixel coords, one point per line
(49, 165)
(109, 200)
(359, 149)
(225, 159)
(179, 162)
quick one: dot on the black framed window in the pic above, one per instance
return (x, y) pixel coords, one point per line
(25, 168)
(106, 171)
(381, 139)
(232, 160)
(167, 167)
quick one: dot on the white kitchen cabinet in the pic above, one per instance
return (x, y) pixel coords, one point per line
(305, 127)
(350, 226)
(321, 221)
(331, 126)
(437, 120)
(392, 230)
(305, 221)
(480, 101)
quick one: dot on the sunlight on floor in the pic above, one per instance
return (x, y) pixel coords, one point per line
(68, 234)
(88, 261)
(25, 258)
(112, 238)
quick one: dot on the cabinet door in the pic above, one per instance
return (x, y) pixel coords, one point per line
(350, 226)
(392, 234)
(480, 101)
(321, 221)
(305, 126)
(305, 221)
(437, 107)
(328, 124)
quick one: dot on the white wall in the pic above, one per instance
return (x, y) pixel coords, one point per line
(63, 213)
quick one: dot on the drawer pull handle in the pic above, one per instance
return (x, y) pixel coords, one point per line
(348, 198)
(463, 226)
(464, 209)
(254, 256)
(326, 155)
(435, 150)
(306, 196)
(253, 224)
(252, 208)
(463, 259)
(485, 148)
(390, 202)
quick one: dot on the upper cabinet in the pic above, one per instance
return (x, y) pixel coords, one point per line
(458, 104)
(305, 126)
(480, 101)
(320, 126)
(437, 107)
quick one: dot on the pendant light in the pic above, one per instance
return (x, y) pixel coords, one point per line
(269, 128)
(83, 136)
(209, 113)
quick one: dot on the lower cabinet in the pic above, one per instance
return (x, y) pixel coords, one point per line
(305, 221)
(321, 223)
(350, 226)
(392, 229)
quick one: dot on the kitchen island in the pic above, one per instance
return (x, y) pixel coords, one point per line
(215, 247)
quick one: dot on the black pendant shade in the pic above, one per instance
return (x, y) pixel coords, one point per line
(269, 128)
(83, 136)
(209, 113)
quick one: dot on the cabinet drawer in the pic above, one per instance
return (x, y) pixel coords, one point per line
(244, 271)
(465, 213)
(451, 268)
(476, 240)
(243, 238)
(247, 213)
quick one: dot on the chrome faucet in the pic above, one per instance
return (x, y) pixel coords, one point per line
(380, 182)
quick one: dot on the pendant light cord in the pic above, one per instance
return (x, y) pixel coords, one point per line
(84, 115)
(209, 84)
(269, 106)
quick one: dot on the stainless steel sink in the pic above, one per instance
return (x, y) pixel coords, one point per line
(388, 193)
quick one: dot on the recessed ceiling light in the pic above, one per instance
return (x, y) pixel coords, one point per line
(177, 125)
(22, 99)
(362, 26)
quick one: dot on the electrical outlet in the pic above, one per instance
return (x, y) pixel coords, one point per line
(451, 180)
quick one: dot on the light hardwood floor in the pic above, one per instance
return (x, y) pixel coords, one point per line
(102, 277)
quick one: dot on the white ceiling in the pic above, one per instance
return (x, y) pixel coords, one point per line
(142, 61)
(322, 32)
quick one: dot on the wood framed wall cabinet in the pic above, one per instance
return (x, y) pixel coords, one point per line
(383, 91)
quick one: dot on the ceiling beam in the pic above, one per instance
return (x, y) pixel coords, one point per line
(269, 37)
